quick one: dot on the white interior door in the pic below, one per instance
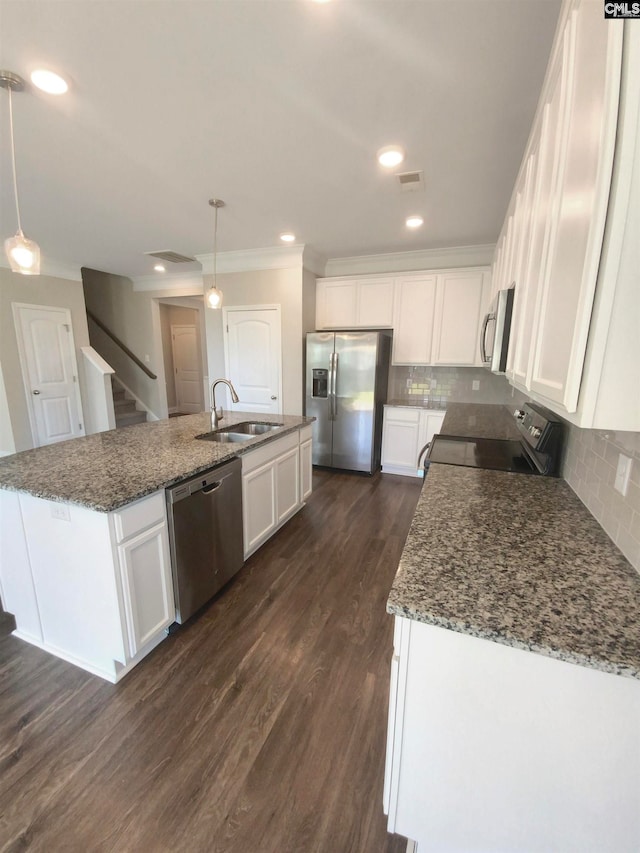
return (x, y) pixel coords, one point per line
(50, 373)
(253, 357)
(186, 365)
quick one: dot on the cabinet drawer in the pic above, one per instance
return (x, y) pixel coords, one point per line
(306, 434)
(410, 416)
(139, 515)
(253, 459)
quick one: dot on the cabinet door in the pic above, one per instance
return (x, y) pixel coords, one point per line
(287, 484)
(413, 319)
(258, 505)
(306, 469)
(525, 291)
(458, 313)
(375, 303)
(336, 304)
(400, 441)
(146, 585)
(584, 159)
(430, 424)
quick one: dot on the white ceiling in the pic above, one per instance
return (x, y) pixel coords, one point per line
(275, 106)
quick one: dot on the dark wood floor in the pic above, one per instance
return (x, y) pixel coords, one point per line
(259, 727)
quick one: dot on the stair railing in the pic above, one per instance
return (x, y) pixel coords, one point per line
(125, 349)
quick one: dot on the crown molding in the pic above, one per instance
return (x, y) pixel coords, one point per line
(51, 268)
(250, 260)
(425, 259)
(181, 284)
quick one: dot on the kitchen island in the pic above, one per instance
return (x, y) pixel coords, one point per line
(515, 695)
(85, 564)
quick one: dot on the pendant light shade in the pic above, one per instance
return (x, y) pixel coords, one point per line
(22, 253)
(213, 296)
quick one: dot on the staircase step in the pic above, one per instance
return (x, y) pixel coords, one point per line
(129, 418)
(123, 405)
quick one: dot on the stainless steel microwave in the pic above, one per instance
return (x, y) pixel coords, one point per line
(495, 331)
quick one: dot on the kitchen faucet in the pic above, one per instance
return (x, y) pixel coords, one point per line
(217, 414)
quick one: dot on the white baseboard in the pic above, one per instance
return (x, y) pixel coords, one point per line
(404, 472)
(107, 674)
(113, 674)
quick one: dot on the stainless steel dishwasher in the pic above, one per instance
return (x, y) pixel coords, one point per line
(205, 534)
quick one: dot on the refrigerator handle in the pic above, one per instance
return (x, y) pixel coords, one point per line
(332, 383)
(334, 398)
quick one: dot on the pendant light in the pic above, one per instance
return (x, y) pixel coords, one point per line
(23, 254)
(213, 296)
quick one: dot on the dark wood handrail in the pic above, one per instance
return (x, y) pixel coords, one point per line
(125, 349)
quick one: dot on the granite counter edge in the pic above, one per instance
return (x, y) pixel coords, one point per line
(131, 497)
(504, 639)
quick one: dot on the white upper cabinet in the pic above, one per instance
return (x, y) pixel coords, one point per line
(584, 156)
(435, 315)
(460, 298)
(354, 303)
(568, 228)
(413, 319)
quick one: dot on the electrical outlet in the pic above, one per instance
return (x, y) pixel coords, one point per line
(622, 474)
(60, 511)
(475, 385)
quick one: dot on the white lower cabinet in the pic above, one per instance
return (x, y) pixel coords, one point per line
(405, 432)
(306, 468)
(276, 478)
(146, 586)
(93, 588)
(491, 747)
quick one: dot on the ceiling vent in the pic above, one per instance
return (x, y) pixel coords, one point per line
(411, 182)
(171, 257)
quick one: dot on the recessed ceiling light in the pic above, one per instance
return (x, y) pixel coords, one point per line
(390, 156)
(49, 82)
(287, 237)
(414, 221)
(160, 268)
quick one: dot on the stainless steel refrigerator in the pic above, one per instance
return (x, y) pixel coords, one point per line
(346, 388)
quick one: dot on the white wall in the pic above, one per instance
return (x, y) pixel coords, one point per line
(7, 444)
(177, 315)
(33, 290)
(129, 316)
(282, 287)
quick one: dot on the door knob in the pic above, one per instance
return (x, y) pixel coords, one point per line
(273, 396)
(36, 392)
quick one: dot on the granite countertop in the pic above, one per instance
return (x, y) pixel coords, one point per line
(519, 560)
(107, 470)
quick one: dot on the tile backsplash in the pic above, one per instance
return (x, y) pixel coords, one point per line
(437, 385)
(590, 462)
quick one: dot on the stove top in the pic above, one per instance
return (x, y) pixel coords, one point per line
(493, 453)
(537, 451)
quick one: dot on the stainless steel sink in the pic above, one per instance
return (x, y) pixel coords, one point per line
(253, 428)
(240, 432)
